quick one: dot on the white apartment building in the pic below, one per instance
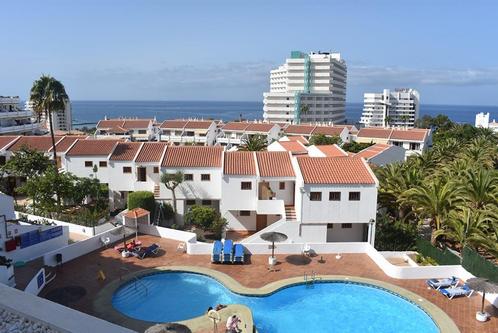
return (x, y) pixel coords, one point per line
(398, 108)
(133, 129)
(307, 88)
(233, 134)
(482, 121)
(14, 120)
(198, 132)
(62, 120)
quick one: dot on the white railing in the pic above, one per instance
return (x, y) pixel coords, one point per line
(19, 128)
(15, 114)
(276, 207)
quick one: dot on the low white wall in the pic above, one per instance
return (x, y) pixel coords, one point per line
(78, 249)
(33, 286)
(189, 238)
(54, 315)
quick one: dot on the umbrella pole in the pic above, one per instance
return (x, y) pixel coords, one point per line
(483, 297)
(273, 249)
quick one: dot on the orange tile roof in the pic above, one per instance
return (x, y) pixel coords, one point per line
(274, 164)
(295, 147)
(109, 123)
(379, 133)
(298, 138)
(174, 124)
(137, 213)
(92, 147)
(39, 143)
(299, 129)
(193, 156)
(5, 141)
(151, 152)
(328, 130)
(259, 127)
(372, 151)
(239, 163)
(332, 150)
(123, 123)
(136, 123)
(416, 134)
(235, 126)
(63, 145)
(335, 170)
(125, 151)
(198, 124)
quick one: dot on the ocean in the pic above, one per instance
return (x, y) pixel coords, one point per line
(88, 113)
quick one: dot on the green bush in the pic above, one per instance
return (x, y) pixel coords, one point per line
(142, 199)
(394, 235)
(478, 265)
(201, 216)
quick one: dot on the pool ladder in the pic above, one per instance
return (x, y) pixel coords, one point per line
(136, 281)
(309, 280)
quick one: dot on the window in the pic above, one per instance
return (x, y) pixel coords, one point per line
(126, 169)
(103, 164)
(354, 196)
(206, 202)
(122, 194)
(88, 164)
(245, 185)
(330, 225)
(188, 177)
(414, 146)
(3, 160)
(245, 213)
(335, 196)
(281, 186)
(190, 202)
(156, 170)
(205, 177)
(142, 132)
(316, 196)
(141, 174)
(346, 225)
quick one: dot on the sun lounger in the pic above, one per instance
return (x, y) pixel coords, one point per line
(442, 283)
(217, 251)
(238, 253)
(228, 251)
(144, 252)
(457, 291)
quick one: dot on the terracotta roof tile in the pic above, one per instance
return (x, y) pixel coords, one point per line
(274, 164)
(63, 145)
(335, 170)
(108, 123)
(137, 123)
(235, 126)
(174, 124)
(259, 127)
(328, 130)
(372, 151)
(198, 124)
(295, 147)
(298, 138)
(332, 150)
(193, 156)
(125, 151)
(5, 141)
(239, 163)
(137, 213)
(299, 129)
(151, 152)
(379, 133)
(417, 134)
(39, 143)
(92, 147)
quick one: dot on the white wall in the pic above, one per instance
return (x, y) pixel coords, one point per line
(240, 223)
(339, 234)
(76, 165)
(6, 206)
(32, 286)
(195, 189)
(233, 198)
(120, 181)
(287, 195)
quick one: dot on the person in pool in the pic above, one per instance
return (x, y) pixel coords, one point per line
(233, 324)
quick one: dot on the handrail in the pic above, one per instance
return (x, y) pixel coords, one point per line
(135, 280)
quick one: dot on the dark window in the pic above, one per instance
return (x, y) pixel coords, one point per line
(190, 202)
(245, 185)
(156, 170)
(3, 160)
(330, 225)
(126, 169)
(281, 186)
(354, 196)
(142, 131)
(188, 176)
(346, 226)
(245, 213)
(103, 164)
(335, 196)
(206, 202)
(141, 174)
(316, 196)
(88, 164)
(123, 194)
(205, 177)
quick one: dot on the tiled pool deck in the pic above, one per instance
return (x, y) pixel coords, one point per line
(83, 272)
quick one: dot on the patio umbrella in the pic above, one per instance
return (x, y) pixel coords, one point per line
(274, 237)
(484, 286)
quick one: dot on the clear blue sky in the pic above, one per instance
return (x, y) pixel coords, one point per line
(223, 50)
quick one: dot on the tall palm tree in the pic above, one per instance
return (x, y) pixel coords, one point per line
(254, 143)
(48, 96)
(480, 188)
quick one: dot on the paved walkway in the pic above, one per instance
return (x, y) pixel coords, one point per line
(83, 272)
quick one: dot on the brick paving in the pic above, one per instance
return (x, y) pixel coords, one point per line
(83, 272)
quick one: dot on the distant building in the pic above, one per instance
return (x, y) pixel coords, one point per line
(184, 131)
(482, 121)
(62, 120)
(234, 134)
(399, 108)
(13, 119)
(307, 88)
(133, 129)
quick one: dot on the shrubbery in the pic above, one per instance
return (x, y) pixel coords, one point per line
(142, 199)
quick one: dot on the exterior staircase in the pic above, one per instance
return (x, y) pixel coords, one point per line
(290, 214)
(156, 191)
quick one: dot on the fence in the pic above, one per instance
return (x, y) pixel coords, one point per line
(478, 265)
(442, 257)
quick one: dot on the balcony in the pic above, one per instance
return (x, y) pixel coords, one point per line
(270, 207)
(15, 114)
(19, 128)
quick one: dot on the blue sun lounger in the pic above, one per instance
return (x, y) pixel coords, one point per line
(442, 283)
(238, 253)
(144, 252)
(228, 251)
(217, 251)
(457, 291)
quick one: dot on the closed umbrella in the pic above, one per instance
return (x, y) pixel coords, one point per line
(274, 237)
(484, 286)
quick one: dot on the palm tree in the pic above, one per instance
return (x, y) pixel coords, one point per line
(254, 143)
(480, 188)
(171, 181)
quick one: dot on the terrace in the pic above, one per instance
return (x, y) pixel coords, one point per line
(254, 274)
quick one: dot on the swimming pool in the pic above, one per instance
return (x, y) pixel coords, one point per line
(324, 307)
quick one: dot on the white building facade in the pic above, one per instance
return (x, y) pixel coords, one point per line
(398, 108)
(62, 120)
(13, 119)
(482, 121)
(307, 88)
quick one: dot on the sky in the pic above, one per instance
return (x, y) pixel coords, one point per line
(224, 50)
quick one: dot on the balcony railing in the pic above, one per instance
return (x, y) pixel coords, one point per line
(19, 128)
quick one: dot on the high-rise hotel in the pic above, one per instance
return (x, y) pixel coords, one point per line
(398, 108)
(307, 88)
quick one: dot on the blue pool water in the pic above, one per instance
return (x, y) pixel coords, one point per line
(324, 307)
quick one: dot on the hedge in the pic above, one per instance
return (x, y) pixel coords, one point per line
(442, 257)
(479, 266)
(142, 199)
